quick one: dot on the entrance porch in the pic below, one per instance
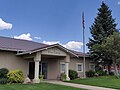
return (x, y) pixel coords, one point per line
(47, 63)
(49, 67)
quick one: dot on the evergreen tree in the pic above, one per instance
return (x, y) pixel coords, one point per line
(103, 26)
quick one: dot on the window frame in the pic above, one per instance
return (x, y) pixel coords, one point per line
(91, 68)
(81, 67)
(61, 69)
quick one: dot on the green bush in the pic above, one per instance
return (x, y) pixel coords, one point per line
(3, 72)
(90, 73)
(15, 76)
(101, 73)
(73, 74)
(3, 80)
(111, 73)
(63, 77)
(3, 75)
(41, 77)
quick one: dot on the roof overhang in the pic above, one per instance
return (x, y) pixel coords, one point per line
(11, 49)
(48, 47)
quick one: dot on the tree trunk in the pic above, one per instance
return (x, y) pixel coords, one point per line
(115, 67)
(109, 69)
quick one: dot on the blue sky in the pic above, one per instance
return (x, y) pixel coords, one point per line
(51, 21)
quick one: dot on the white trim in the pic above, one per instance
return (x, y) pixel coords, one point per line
(47, 47)
(81, 67)
(61, 68)
(90, 66)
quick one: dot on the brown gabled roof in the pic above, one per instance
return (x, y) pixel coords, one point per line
(80, 54)
(18, 44)
(26, 46)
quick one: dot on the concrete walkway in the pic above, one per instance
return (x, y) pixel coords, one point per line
(78, 85)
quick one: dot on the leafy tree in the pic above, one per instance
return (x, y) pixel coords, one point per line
(103, 26)
(111, 49)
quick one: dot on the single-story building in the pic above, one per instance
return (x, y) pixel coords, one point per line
(35, 58)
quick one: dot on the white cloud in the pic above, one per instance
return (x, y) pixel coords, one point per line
(51, 42)
(24, 36)
(5, 25)
(37, 38)
(72, 45)
(118, 2)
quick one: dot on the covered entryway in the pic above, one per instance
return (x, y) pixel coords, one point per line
(47, 62)
(49, 67)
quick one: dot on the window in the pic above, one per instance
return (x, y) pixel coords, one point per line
(91, 66)
(79, 67)
(62, 67)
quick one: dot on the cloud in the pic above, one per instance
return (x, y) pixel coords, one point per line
(118, 2)
(72, 45)
(51, 42)
(37, 38)
(5, 25)
(24, 36)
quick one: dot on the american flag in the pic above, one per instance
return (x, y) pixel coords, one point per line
(83, 20)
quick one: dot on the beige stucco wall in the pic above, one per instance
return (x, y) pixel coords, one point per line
(12, 62)
(53, 67)
(73, 64)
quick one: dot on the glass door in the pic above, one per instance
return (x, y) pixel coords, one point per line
(44, 69)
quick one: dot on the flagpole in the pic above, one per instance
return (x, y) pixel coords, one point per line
(83, 45)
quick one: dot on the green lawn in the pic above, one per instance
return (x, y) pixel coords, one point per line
(41, 86)
(104, 81)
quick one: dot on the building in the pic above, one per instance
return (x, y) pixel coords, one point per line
(36, 58)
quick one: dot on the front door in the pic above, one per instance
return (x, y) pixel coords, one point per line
(31, 70)
(44, 69)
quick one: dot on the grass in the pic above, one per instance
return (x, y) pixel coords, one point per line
(41, 86)
(104, 81)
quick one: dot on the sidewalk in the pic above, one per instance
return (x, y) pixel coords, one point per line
(78, 85)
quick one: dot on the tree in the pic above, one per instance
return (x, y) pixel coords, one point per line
(111, 48)
(103, 26)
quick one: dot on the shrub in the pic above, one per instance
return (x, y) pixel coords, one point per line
(63, 77)
(111, 73)
(90, 73)
(3, 75)
(3, 72)
(101, 73)
(73, 74)
(41, 77)
(15, 76)
(3, 80)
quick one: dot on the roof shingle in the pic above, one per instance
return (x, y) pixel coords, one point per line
(18, 44)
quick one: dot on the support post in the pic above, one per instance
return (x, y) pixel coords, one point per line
(67, 60)
(67, 71)
(37, 59)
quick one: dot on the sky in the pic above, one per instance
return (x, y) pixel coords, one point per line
(52, 21)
